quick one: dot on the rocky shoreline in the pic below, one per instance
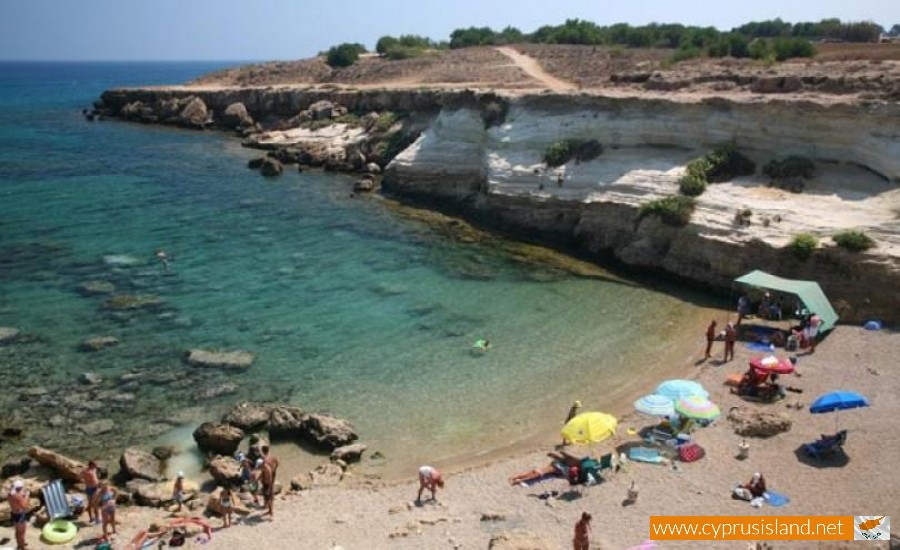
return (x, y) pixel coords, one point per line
(477, 155)
(144, 480)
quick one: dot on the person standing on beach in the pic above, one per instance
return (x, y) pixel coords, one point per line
(269, 470)
(710, 337)
(812, 331)
(431, 479)
(226, 503)
(18, 507)
(178, 490)
(582, 540)
(730, 339)
(743, 308)
(105, 498)
(91, 480)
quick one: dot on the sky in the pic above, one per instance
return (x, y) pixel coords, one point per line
(238, 30)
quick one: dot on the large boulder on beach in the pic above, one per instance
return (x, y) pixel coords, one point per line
(225, 470)
(218, 438)
(8, 334)
(751, 423)
(65, 467)
(220, 359)
(328, 431)
(158, 494)
(195, 114)
(136, 463)
(518, 541)
(349, 453)
(287, 422)
(248, 416)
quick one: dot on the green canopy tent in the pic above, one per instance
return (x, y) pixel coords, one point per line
(809, 292)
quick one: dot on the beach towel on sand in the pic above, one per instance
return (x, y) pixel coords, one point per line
(758, 346)
(645, 454)
(776, 499)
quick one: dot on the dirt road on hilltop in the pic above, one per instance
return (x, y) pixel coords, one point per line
(533, 69)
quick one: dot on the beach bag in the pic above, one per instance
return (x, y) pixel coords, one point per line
(690, 452)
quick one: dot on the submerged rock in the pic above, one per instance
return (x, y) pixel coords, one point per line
(123, 302)
(93, 288)
(271, 167)
(90, 378)
(98, 427)
(220, 359)
(97, 343)
(8, 334)
(218, 390)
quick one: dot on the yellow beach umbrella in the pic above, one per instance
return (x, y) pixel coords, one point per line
(589, 427)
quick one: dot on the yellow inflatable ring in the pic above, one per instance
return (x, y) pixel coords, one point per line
(59, 531)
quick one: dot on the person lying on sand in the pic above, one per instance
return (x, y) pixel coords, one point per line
(561, 464)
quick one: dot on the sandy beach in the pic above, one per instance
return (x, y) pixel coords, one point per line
(368, 515)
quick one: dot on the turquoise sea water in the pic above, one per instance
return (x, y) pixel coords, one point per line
(351, 305)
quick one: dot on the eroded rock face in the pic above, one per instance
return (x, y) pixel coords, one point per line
(750, 423)
(238, 360)
(218, 438)
(136, 463)
(248, 416)
(329, 432)
(157, 494)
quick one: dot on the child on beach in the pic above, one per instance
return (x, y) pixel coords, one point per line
(226, 502)
(582, 532)
(178, 490)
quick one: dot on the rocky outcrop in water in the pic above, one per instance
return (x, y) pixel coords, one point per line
(328, 431)
(238, 360)
(97, 343)
(248, 416)
(349, 453)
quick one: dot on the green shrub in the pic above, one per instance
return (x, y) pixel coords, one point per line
(787, 48)
(675, 211)
(344, 55)
(803, 245)
(853, 240)
(561, 152)
(385, 121)
(699, 168)
(726, 162)
(686, 52)
(398, 52)
(691, 186)
(790, 167)
(557, 154)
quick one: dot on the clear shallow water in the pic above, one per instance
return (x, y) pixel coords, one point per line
(351, 305)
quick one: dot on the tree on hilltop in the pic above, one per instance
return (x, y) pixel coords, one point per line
(344, 55)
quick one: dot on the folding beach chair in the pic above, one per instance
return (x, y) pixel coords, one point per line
(55, 500)
(826, 446)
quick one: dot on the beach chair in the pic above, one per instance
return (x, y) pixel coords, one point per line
(826, 446)
(55, 500)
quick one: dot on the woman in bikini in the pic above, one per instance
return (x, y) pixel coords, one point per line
(106, 501)
(226, 502)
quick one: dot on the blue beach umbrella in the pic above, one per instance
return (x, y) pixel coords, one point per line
(676, 389)
(655, 405)
(838, 401)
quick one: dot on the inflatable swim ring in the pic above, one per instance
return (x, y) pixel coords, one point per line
(59, 531)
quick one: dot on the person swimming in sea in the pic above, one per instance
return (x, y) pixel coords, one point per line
(481, 346)
(162, 257)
